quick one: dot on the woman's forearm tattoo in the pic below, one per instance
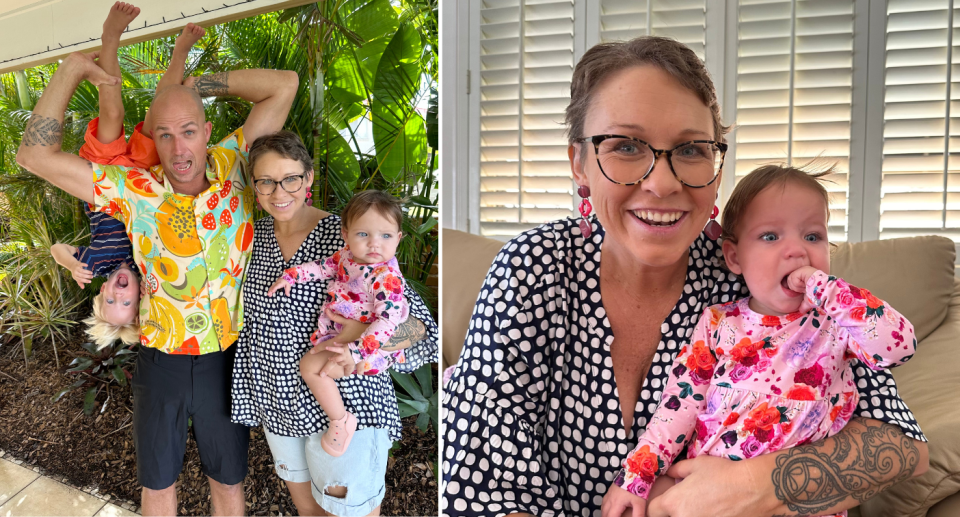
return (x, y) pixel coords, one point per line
(42, 131)
(407, 333)
(866, 458)
(212, 85)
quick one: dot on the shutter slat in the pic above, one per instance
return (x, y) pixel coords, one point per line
(915, 111)
(525, 87)
(811, 122)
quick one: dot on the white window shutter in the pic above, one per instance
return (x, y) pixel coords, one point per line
(682, 20)
(527, 50)
(526, 58)
(921, 168)
(794, 90)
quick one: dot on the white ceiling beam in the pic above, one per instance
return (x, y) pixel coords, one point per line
(37, 32)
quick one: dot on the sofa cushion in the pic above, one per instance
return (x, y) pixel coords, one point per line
(949, 507)
(929, 384)
(466, 260)
(915, 275)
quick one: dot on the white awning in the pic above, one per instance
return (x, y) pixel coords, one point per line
(36, 32)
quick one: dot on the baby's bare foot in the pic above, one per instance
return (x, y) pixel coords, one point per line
(121, 14)
(189, 37)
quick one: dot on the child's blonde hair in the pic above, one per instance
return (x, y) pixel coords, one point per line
(103, 333)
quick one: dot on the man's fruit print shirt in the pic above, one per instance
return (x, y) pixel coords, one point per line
(191, 251)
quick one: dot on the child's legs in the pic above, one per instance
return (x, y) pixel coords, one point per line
(111, 100)
(178, 60)
(323, 388)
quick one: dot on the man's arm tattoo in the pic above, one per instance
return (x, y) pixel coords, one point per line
(811, 480)
(42, 131)
(407, 333)
(211, 85)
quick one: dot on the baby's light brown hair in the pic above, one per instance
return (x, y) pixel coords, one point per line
(758, 180)
(385, 204)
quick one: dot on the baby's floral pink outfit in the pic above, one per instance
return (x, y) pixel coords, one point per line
(751, 384)
(368, 293)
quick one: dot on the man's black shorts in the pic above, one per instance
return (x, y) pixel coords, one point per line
(168, 390)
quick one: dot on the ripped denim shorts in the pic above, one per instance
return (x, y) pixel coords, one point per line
(362, 469)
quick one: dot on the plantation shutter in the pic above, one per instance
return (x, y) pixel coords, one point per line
(526, 60)
(682, 20)
(794, 90)
(920, 188)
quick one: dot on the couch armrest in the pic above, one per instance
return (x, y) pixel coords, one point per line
(929, 384)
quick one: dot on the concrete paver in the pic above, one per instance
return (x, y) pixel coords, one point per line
(112, 510)
(48, 497)
(13, 479)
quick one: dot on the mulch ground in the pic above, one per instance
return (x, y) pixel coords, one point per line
(97, 451)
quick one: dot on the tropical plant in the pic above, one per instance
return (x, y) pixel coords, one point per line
(100, 368)
(38, 301)
(361, 62)
(416, 396)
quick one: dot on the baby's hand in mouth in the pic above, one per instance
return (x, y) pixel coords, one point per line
(797, 281)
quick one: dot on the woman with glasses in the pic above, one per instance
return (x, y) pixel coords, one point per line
(578, 322)
(267, 387)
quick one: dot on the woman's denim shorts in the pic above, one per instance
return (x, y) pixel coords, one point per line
(362, 469)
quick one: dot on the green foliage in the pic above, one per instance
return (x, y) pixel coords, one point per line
(372, 60)
(98, 368)
(416, 396)
(38, 299)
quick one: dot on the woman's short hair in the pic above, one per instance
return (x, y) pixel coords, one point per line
(103, 333)
(385, 204)
(669, 55)
(284, 143)
(758, 180)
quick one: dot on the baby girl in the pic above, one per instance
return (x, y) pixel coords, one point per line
(367, 287)
(773, 370)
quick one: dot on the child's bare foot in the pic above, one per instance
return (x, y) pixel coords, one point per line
(189, 37)
(121, 14)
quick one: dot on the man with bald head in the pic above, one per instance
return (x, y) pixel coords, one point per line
(189, 220)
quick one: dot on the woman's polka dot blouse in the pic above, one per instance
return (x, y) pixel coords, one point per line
(267, 387)
(531, 415)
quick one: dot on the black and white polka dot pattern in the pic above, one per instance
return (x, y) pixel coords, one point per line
(267, 387)
(531, 416)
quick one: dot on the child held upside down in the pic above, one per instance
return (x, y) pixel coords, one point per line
(110, 254)
(773, 370)
(367, 287)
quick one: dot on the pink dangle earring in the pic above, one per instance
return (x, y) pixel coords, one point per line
(309, 201)
(713, 228)
(585, 208)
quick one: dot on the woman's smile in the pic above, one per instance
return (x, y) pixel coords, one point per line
(660, 223)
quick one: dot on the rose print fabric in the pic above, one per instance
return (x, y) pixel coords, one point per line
(368, 293)
(749, 384)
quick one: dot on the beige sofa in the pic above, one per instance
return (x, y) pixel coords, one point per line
(915, 275)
